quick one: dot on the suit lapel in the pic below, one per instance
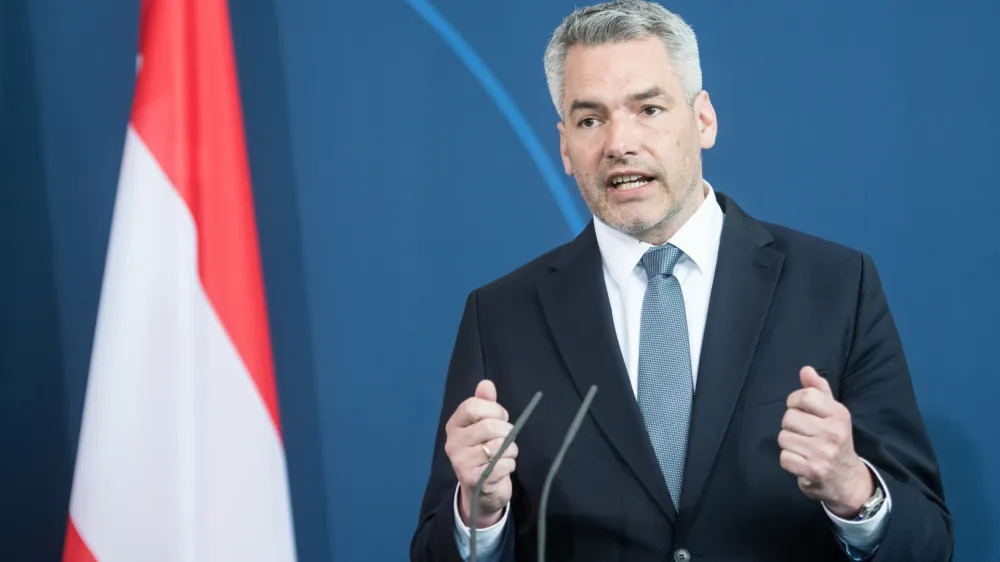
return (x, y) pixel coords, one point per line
(745, 279)
(575, 302)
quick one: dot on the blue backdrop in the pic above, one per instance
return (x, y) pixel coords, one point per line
(404, 153)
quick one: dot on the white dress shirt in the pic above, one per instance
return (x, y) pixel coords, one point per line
(698, 239)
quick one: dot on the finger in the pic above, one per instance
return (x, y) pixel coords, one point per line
(486, 390)
(811, 379)
(476, 455)
(495, 444)
(474, 410)
(484, 431)
(793, 463)
(504, 468)
(813, 401)
(795, 443)
(807, 484)
(802, 423)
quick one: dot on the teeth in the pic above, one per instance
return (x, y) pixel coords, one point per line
(631, 185)
(623, 179)
(623, 183)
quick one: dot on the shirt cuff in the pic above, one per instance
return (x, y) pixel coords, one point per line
(487, 540)
(865, 535)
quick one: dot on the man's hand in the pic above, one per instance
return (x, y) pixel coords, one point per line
(478, 425)
(817, 446)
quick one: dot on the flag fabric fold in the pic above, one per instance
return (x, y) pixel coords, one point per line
(180, 455)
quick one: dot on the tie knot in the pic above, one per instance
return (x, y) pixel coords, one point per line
(660, 260)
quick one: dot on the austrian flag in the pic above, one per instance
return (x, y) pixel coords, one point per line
(181, 457)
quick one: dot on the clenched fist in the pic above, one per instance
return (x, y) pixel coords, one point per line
(475, 433)
(817, 446)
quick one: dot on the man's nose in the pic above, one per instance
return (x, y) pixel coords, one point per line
(622, 139)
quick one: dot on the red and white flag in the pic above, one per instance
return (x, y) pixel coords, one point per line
(180, 455)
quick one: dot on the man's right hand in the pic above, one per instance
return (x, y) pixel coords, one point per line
(479, 425)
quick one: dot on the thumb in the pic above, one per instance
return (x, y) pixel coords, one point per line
(486, 390)
(810, 378)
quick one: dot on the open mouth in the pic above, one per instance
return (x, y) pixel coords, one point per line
(626, 182)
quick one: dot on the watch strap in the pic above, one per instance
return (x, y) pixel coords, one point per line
(874, 503)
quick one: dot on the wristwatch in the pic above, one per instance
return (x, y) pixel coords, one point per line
(871, 507)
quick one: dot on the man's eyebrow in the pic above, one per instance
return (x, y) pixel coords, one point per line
(585, 104)
(644, 95)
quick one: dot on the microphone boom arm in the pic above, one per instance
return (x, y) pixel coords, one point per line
(567, 441)
(521, 420)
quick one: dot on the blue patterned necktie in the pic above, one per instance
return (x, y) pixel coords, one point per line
(665, 387)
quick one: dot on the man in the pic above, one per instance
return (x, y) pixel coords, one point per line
(753, 397)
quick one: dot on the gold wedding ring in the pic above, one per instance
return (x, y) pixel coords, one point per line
(489, 455)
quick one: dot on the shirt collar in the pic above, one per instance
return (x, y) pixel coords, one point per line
(698, 238)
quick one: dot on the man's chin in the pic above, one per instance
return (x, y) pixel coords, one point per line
(632, 225)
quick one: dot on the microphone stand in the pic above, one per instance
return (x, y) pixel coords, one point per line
(570, 435)
(521, 420)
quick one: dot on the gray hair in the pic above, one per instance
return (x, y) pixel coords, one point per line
(618, 22)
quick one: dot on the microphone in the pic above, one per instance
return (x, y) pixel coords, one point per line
(521, 420)
(570, 435)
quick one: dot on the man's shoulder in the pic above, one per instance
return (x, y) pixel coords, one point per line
(798, 246)
(800, 243)
(526, 276)
(815, 258)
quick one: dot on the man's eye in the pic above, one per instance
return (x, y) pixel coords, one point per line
(588, 122)
(651, 110)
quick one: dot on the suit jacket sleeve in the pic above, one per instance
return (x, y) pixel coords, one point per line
(889, 431)
(434, 538)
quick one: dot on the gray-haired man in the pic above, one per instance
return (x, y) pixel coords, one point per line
(754, 401)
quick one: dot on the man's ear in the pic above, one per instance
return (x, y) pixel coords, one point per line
(708, 123)
(563, 149)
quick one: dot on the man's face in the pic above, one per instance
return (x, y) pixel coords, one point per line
(631, 140)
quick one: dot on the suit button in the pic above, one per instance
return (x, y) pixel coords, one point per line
(682, 555)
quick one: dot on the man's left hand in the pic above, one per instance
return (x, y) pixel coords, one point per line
(817, 446)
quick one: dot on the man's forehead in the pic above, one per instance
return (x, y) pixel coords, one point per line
(621, 84)
(615, 65)
(640, 48)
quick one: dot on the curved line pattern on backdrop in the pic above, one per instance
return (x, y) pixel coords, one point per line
(507, 107)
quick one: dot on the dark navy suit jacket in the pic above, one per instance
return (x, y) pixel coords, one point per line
(781, 299)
